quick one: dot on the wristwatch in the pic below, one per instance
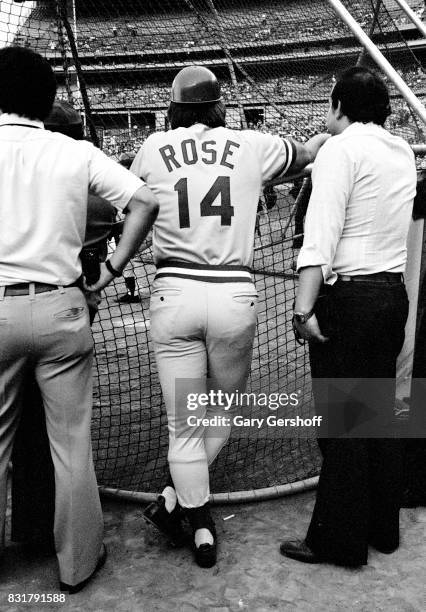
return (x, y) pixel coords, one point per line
(302, 317)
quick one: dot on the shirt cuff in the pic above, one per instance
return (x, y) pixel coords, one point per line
(312, 256)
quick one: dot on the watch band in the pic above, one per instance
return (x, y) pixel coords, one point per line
(112, 270)
(302, 317)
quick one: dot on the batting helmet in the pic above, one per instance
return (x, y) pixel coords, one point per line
(62, 115)
(195, 85)
(66, 120)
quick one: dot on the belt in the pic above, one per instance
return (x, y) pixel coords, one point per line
(377, 277)
(204, 272)
(25, 288)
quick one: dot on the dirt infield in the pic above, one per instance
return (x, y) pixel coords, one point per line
(143, 575)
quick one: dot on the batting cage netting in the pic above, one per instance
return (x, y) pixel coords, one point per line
(276, 61)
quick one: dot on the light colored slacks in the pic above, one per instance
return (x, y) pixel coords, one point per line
(49, 332)
(203, 336)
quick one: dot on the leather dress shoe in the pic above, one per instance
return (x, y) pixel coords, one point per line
(169, 523)
(299, 550)
(75, 588)
(383, 548)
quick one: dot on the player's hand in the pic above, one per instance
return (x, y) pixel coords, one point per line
(105, 278)
(314, 144)
(310, 330)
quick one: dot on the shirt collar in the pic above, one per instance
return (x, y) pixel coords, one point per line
(358, 126)
(7, 118)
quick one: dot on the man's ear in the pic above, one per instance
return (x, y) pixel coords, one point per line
(338, 111)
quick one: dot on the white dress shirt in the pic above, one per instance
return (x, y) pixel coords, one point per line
(364, 183)
(44, 182)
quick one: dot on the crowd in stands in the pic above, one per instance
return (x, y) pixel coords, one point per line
(288, 88)
(301, 98)
(271, 21)
(297, 121)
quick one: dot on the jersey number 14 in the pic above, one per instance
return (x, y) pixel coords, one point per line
(224, 210)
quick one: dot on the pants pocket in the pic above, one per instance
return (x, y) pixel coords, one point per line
(164, 310)
(74, 312)
(246, 298)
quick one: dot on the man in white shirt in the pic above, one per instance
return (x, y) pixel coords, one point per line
(352, 306)
(44, 325)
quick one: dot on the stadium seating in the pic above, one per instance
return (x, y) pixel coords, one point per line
(248, 25)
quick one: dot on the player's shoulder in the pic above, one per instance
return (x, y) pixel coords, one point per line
(260, 141)
(256, 136)
(148, 142)
(155, 137)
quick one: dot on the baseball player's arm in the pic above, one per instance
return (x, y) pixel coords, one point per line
(306, 152)
(142, 211)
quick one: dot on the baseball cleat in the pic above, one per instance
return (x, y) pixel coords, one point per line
(200, 518)
(169, 523)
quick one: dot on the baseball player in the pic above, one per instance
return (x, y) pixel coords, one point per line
(207, 179)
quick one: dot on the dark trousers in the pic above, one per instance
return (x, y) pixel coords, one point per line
(359, 490)
(415, 455)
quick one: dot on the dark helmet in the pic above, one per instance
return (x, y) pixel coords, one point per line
(66, 120)
(62, 115)
(195, 85)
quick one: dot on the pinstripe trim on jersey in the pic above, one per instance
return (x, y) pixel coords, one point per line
(206, 273)
(291, 154)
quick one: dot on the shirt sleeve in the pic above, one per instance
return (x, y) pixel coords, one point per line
(111, 181)
(332, 182)
(276, 155)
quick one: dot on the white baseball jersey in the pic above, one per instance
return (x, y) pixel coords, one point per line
(208, 182)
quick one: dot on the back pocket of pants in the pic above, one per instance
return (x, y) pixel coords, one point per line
(246, 298)
(74, 312)
(164, 310)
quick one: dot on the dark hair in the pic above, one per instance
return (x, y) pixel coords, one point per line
(363, 96)
(27, 83)
(185, 115)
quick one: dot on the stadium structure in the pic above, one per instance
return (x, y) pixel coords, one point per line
(276, 60)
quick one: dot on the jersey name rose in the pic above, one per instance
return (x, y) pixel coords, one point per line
(189, 154)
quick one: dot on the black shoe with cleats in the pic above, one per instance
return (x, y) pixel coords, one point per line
(169, 523)
(200, 518)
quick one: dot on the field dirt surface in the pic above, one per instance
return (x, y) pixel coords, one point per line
(142, 574)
